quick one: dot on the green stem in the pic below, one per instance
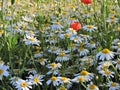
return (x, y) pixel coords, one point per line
(83, 85)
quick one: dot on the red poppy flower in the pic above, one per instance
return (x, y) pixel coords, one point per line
(75, 25)
(86, 1)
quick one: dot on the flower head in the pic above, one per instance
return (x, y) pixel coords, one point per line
(105, 54)
(3, 70)
(86, 1)
(75, 25)
(92, 86)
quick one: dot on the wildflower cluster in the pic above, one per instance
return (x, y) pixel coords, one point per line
(59, 45)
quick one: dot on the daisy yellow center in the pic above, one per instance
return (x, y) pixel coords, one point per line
(118, 62)
(31, 32)
(62, 53)
(37, 51)
(92, 86)
(37, 47)
(1, 31)
(67, 35)
(23, 84)
(81, 48)
(0, 3)
(32, 39)
(105, 51)
(64, 13)
(36, 80)
(72, 30)
(89, 26)
(54, 49)
(86, 12)
(113, 12)
(107, 72)
(56, 23)
(53, 78)
(24, 28)
(62, 88)
(53, 65)
(112, 21)
(16, 70)
(117, 28)
(91, 42)
(87, 61)
(1, 71)
(88, 20)
(84, 72)
(71, 18)
(41, 59)
(63, 78)
(76, 39)
(81, 78)
(71, 44)
(15, 27)
(15, 79)
(112, 17)
(113, 84)
(8, 14)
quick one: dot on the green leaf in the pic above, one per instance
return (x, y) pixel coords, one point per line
(12, 2)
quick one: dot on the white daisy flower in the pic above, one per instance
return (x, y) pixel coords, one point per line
(86, 14)
(3, 70)
(31, 71)
(62, 55)
(14, 28)
(92, 86)
(30, 33)
(51, 40)
(13, 80)
(104, 65)
(71, 20)
(91, 44)
(76, 39)
(72, 47)
(42, 60)
(71, 31)
(36, 79)
(105, 54)
(89, 28)
(31, 40)
(86, 61)
(78, 79)
(56, 25)
(65, 81)
(118, 64)
(54, 80)
(63, 36)
(83, 51)
(53, 49)
(27, 19)
(54, 66)
(113, 86)
(107, 73)
(87, 76)
(112, 19)
(23, 85)
(53, 72)
(38, 54)
(115, 43)
(62, 88)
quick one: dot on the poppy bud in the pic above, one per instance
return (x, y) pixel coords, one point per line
(86, 1)
(75, 25)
